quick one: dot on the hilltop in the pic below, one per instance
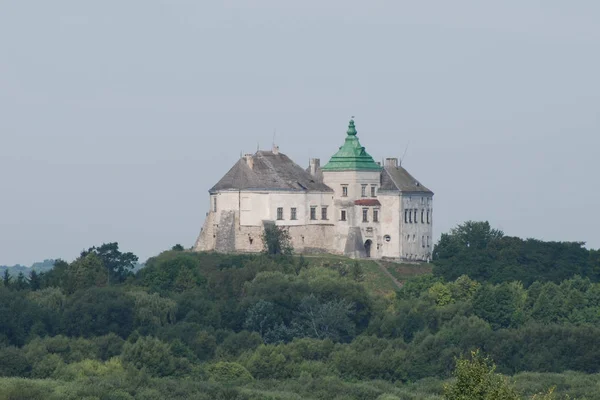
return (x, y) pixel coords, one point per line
(249, 327)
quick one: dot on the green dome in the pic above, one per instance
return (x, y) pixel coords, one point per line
(351, 156)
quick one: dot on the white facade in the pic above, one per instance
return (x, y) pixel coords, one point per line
(382, 213)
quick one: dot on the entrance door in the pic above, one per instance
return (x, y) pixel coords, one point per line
(368, 248)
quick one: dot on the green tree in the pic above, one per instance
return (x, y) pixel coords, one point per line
(152, 310)
(161, 273)
(51, 298)
(85, 272)
(276, 240)
(57, 276)
(325, 320)
(150, 353)
(300, 264)
(229, 371)
(118, 265)
(261, 317)
(98, 311)
(13, 362)
(21, 282)
(501, 305)
(6, 278)
(35, 282)
(357, 272)
(441, 294)
(476, 379)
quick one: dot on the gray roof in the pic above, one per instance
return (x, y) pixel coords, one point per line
(270, 171)
(397, 178)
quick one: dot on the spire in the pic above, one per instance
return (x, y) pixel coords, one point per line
(351, 129)
(351, 156)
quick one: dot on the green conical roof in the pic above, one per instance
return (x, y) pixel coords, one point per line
(351, 156)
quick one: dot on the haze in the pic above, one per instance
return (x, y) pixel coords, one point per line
(117, 117)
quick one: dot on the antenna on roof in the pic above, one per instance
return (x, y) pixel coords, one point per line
(274, 132)
(257, 146)
(403, 155)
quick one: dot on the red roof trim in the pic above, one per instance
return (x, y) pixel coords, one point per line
(367, 202)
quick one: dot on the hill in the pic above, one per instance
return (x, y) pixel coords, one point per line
(39, 267)
(218, 326)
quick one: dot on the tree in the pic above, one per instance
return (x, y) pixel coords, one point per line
(99, 311)
(357, 272)
(501, 305)
(476, 379)
(85, 272)
(229, 371)
(177, 247)
(21, 282)
(276, 240)
(150, 353)
(325, 320)
(117, 264)
(300, 264)
(6, 278)
(34, 281)
(261, 317)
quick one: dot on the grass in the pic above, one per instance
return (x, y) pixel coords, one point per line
(376, 280)
(404, 271)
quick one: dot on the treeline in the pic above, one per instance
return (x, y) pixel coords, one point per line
(485, 254)
(210, 326)
(15, 270)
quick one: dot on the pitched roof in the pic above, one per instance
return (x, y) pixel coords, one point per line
(367, 202)
(397, 178)
(270, 171)
(351, 156)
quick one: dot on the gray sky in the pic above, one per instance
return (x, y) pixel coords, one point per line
(116, 117)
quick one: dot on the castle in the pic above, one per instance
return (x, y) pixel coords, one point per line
(351, 206)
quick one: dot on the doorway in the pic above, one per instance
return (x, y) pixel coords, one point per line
(368, 244)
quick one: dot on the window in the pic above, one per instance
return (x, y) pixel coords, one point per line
(387, 238)
(373, 191)
(365, 215)
(416, 220)
(313, 213)
(344, 190)
(410, 216)
(214, 204)
(375, 215)
(423, 241)
(293, 213)
(279, 213)
(428, 217)
(323, 212)
(405, 216)
(343, 215)
(428, 242)
(422, 216)
(363, 192)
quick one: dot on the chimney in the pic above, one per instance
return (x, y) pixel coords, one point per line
(275, 149)
(391, 162)
(314, 165)
(249, 160)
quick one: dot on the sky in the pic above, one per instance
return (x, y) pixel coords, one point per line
(116, 117)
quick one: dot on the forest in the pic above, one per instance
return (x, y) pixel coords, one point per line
(497, 317)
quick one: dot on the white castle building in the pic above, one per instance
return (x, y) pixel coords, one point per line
(351, 206)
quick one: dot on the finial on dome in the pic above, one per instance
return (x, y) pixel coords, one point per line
(351, 129)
